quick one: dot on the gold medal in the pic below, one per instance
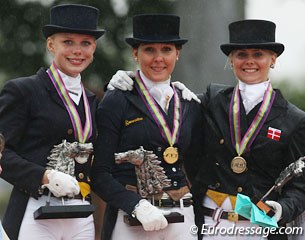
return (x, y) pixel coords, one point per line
(170, 155)
(238, 164)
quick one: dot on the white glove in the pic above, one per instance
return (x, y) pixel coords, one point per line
(152, 218)
(277, 208)
(62, 184)
(121, 80)
(187, 94)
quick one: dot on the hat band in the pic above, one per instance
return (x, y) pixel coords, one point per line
(157, 37)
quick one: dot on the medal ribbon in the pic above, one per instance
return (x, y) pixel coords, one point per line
(154, 110)
(242, 144)
(81, 134)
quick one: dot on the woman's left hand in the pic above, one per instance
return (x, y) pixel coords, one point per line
(187, 94)
(277, 208)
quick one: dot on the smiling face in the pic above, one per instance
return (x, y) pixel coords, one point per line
(72, 52)
(252, 66)
(156, 60)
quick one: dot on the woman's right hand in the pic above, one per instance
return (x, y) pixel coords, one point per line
(121, 80)
(61, 184)
(152, 218)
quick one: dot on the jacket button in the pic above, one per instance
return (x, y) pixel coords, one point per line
(70, 131)
(174, 169)
(175, 183)
(221, 141)
(239, 189)
(217, 185)
(81, 175)
(159, 149)
(217, 164)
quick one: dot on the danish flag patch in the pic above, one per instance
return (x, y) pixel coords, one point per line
(274, 133)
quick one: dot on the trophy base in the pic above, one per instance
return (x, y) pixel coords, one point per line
(173, 217)
(69, 211)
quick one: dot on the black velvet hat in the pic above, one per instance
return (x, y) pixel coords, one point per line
(73, 18)
(155, 28)
(252, 34)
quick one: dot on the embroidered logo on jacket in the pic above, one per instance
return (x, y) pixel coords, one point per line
(128, 122)
(274, 133)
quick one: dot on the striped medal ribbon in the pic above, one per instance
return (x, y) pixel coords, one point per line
(170, 154)
(239, 164)
(81, 134)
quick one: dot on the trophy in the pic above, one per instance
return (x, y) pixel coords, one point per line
(2, 143)
(62, 158)
(151, 179)
(295, 169)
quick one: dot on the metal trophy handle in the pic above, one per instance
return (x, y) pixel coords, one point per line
(294, 169)
(62, 158)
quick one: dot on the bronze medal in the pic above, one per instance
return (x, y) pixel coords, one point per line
(170, 155)
(238, 164)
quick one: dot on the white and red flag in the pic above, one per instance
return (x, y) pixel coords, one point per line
(274, 133)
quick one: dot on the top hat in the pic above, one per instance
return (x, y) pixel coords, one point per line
(73, 18)
(155, 28)
(252, 34)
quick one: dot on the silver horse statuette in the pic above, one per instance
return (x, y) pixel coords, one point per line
(151, 178)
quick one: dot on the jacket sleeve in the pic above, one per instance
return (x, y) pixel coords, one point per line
(293, 193)
(109, 121)
(14, 118)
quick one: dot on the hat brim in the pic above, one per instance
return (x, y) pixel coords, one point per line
(49, 30)
(278, 48)
(136, 41)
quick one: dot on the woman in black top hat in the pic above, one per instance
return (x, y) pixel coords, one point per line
(252, 133)
(44, 110)
(152, 120)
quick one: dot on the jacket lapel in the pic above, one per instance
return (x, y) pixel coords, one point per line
(222, 120)
(278, 108)
(50, 88)
(136, 100)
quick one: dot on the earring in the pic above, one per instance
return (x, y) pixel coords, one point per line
(177, 58)
(272, 65)
(231, 65)
(136, 59)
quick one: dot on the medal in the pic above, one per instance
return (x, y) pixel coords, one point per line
(170, 155)
(242, 144)
(238, 164)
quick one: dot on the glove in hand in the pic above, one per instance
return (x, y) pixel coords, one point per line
(187, 94)
(277, 208)
(62, 184)
(121, 80)
(152, 218)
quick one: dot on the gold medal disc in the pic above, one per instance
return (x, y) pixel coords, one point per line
(238, 164)
(170, 155)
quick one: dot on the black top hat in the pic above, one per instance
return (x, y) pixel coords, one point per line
(252, 34)
(73, 18)
(155, 28)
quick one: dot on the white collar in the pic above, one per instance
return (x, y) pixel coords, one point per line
(161, 91)
(252, 94)
(149, 83)
(73, 86)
